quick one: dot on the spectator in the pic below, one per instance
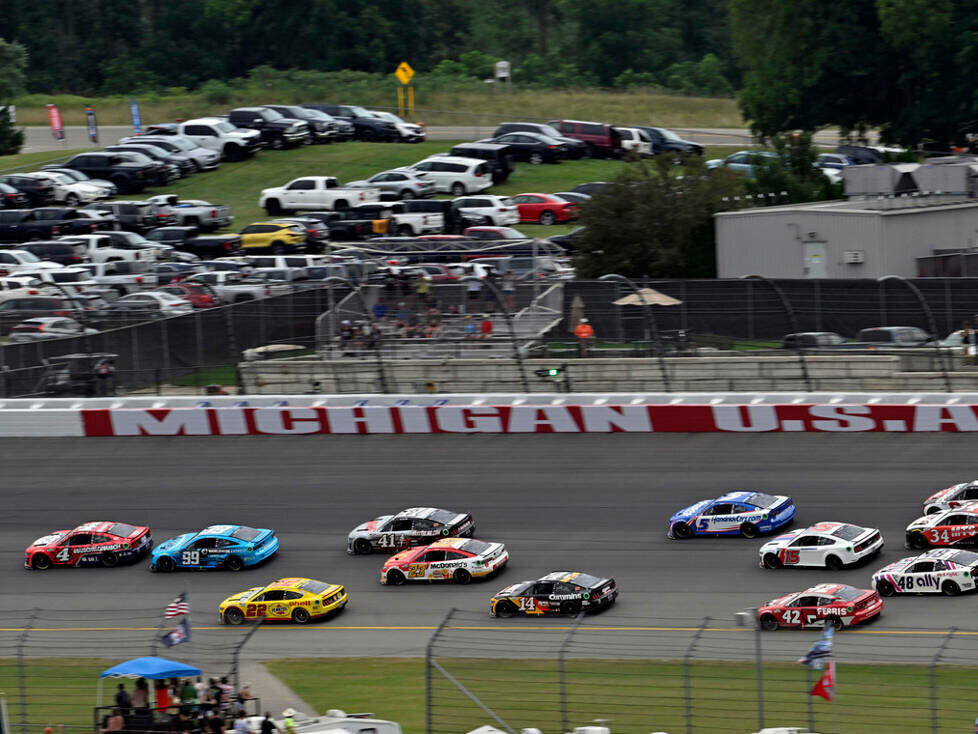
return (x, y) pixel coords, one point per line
(379, 310)
(201, 689)
(241, 723)
(227, 693)
(115, 722)
(140, 695)
(213, 724)
(509, 290)
(473, 289)
(422, 288)
(432, 327)
(485, 328)
(162, 697)
(268, 726)
(413, 326)
(179, 722)
(585, 336)
(245, 693)
(188, 692)
(402, 315)
(122, 700)
(288, 722)
(469, 327)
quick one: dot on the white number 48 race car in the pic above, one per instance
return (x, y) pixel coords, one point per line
(945, 571)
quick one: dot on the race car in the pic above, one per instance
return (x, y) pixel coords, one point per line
(92, 544)
(293, 599)
(947, 571)
(233, 547)
(736, 513)
(560, 592)
(408, 528)
(836, 605)
(948, 527)
(831, 545)
(948, 499)
(458, 559)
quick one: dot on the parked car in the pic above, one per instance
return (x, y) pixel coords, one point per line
(313, 192)
(453, 175)
(47, 327)
(576, 196)
(134, 216)
(67, 190)
(533, 148)
(153, 302)
(71, 281)
(64, 220)
(569, 240)
(493, 233)
(194, 212)
(37, 191)
(351, 225)
(54, 251)
(174, 272)
(665, 140)
(189, 239)
(199, 295)
(576, 148)
(322, 127)
(233, 287)
(103, 221)
(344, 128)
(744, 161)
(453, 220)
(110, 188)
(365, 125)
(123, 276)
(407, 132)
(403, 221)
(498, 157)
(13, 261)
(204, 158)
(181, 161)
(12, 198)
(635, 140)
(216, 134)
(591, 188)
(602, 139)
(398, 184)
(317, 233)
(277, 131)
(16, 310)
(811, 339)
(166, 170)
(274, 237)
(125, 173)
(21, 225)
(494, 210)
(895, 336)
(835, 161)
(544, 208)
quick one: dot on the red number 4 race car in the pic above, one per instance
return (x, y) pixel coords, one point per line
(835, 605)
(92, 544)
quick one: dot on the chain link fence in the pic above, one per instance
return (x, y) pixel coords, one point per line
(682, 675)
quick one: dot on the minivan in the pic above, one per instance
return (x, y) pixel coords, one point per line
(602, 140)
(499, 157)
(455, 175)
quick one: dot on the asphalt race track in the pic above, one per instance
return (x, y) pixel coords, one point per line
(590, 502)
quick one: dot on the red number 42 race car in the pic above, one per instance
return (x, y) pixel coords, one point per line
(92, 544)
(835, 605)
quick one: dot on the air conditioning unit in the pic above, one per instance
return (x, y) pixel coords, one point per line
(813, 235)
(854, 257)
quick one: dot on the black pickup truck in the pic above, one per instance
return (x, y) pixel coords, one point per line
(22, 225)
(189, 240)
(277, 131)
(129, 172)
(348, 225)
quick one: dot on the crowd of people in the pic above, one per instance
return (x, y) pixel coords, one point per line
(182, 707)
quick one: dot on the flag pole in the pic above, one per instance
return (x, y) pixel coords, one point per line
(808, 696)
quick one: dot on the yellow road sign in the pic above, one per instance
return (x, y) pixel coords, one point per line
(404, 72)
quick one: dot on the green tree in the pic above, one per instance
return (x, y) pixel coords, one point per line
(13, 63)
(792, 176)
(656, 219)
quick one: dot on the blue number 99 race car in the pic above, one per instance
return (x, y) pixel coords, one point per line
(748, 514)
(231, 547)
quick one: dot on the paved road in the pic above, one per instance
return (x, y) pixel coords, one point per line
(39, 139)
(596, 503)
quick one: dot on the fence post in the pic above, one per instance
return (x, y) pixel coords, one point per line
(21, 673)
(235, 670)
(933, 678)
(687, 679)
(427, 668)
(760, 677)
(561, 670)
(817, 287)
(793, 321)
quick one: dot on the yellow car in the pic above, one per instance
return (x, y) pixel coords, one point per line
(275, 237)
(297, 600)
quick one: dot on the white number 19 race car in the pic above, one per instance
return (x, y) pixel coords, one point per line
(945, 571)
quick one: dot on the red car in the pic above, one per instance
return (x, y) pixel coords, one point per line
(92, 544)
(198, 295)
(837, 605)
(545, 208)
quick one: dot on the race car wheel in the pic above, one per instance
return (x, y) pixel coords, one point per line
(749, 530)
(834, 563)
(395, 577)
(771, 560)
(234, 616)
(461, 576)
(110, 559)
(682, 531)
(885, 588)
(570, 608)
(769, 623)
(234, 563)
(950, 588)
(40, 562)
(361, 546)
(918, 541)
(300, 616)
(834, 622)
(505, 609)
(165, 564)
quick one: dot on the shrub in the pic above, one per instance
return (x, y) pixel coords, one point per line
(215, 91)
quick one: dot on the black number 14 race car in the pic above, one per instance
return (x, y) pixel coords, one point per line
(560, 592)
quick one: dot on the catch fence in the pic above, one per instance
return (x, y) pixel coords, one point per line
(680, 675)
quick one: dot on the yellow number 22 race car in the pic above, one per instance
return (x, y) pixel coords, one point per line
(291, 600)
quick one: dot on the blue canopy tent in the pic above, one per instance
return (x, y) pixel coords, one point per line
(151, 668)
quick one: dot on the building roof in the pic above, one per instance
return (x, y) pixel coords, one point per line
(873, 205)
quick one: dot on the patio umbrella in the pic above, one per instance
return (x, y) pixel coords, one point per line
(652, 298)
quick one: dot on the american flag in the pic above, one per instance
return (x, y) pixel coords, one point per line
(177, 607)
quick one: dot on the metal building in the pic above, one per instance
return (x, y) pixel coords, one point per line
(857, 238)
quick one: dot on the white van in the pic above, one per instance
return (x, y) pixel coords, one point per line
(454, 175)
(635, 140)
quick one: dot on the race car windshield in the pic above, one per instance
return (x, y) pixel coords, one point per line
(476, 547)
(443, 516)
(314, 587)
(245, 534)
(761, 500)
(965, 558)
(849, 593)
(122, 530)
(849, 532)
(584, 579)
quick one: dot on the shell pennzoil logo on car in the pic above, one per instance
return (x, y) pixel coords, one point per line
(278, 609)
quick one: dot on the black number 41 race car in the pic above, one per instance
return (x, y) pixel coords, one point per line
(408, 528)
(560, 592)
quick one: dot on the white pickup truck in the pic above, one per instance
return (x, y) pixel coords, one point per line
(124, 277)
(233, 287)
(403, 222)
(99, 249)
(194, 212)
(313, 193)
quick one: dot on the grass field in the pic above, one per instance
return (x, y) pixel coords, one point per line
(638, 107)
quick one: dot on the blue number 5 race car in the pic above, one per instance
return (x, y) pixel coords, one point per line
(231, 547)
(736, 513)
